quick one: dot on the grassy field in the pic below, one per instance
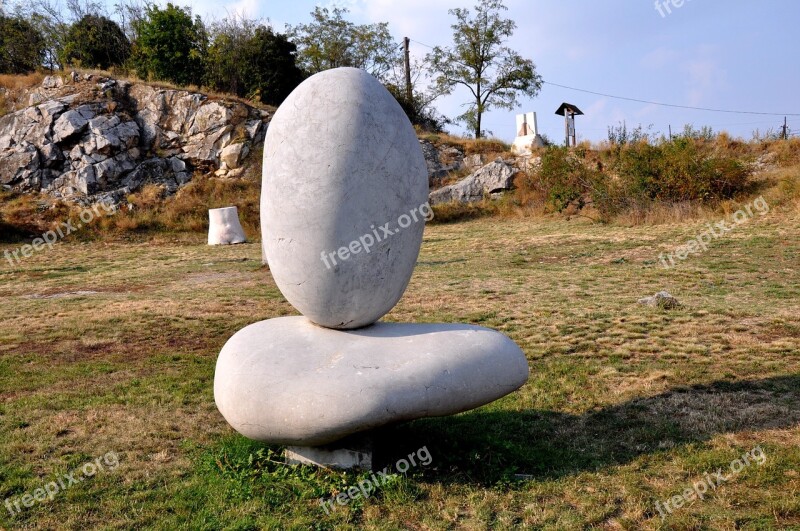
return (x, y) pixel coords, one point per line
(111, 346)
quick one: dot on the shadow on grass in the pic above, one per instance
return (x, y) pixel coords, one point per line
(13, 234)
(489, 447)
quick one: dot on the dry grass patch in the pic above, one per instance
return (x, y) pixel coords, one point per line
(626, 405)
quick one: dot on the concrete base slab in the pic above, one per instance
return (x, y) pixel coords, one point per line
(353, 452)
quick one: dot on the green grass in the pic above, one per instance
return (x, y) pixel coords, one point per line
(626, 405)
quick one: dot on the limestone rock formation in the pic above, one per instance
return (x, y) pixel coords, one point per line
(440, 161)
(89, 138)
(497, 176)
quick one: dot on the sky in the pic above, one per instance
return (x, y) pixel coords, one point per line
(733, 55)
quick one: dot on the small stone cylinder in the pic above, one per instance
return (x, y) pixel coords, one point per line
(224, 227)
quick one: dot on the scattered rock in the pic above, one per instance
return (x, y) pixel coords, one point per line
(662, 300)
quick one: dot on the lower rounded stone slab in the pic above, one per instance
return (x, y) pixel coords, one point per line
(288, 381)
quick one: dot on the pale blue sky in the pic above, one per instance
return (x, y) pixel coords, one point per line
(738, 55)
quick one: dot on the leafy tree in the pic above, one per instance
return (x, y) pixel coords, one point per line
(494, 74)
(53, 22)
(273, 71)
(95, 42)
(248, 59)
(171, 45)
(21, 46)
(418, 110)
(330, 41)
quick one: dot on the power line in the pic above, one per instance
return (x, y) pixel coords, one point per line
(670, 104)
(646, 101)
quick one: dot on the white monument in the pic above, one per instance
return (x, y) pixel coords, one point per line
(527, 134)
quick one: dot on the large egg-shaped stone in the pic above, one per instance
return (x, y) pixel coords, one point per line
(344, 199)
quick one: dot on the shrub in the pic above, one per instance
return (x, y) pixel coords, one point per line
(684, 169)
(563, 179)
(95, 42)
(170, 46)
(21, 46)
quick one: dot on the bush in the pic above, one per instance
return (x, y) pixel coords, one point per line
(563, 179)
(170, 46)
(95, 42)
(684, 169)
(251, 61)
(21, 46)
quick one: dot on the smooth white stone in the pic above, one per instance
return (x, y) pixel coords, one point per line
(288, 381)
(341, 160)
(224, 227)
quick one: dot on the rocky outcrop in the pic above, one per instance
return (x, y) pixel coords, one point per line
(441, 160)
(495, 177)
(90, 138)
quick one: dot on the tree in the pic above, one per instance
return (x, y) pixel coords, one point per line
(53, 22)
(171, 45)
(273, 71)
(95, 42)
(494, 74)
(248, 59)
(21, 46)
(330, 41)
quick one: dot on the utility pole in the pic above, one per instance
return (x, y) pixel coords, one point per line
(409, 99)
(670, 132)
(785, 134)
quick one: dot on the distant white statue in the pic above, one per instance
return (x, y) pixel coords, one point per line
(224, 227)
(527, 134)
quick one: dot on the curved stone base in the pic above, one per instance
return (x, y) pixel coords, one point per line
(288, 381)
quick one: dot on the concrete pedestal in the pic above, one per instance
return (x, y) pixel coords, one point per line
(352, 452)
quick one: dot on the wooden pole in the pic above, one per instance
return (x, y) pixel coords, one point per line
(670, 132)
(566, 125)
(406, 41)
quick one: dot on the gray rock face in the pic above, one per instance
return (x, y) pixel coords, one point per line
(232, 155)
(287, 381)
(341, 161)
(495, 177)
(440, 161)
(87, 138)
(68, 124)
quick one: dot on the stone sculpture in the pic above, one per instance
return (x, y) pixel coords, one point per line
(343, 208)
(224, 227)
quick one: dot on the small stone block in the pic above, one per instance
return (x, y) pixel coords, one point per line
(344, 455)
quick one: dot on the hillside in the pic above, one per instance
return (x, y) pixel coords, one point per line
(89, 138)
